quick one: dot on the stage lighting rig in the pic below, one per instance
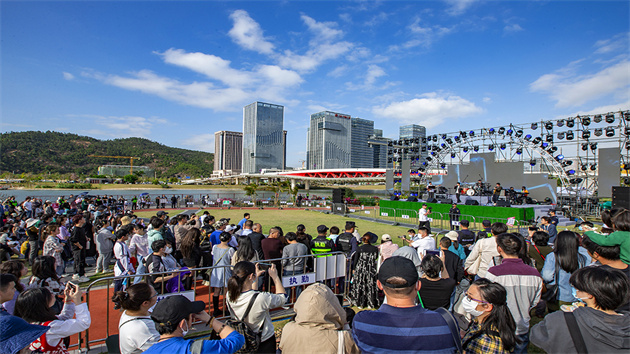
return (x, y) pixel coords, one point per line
(549, 125)
(570, 123)
(569, 135)
(534, 126)
(610, 132)
(503, 146)
(501, 131)
(566, 163)
(537, 140)
(519, 151)
(584, 146)
(456, 137)
(471, 133)
(463, 134)
(626, 116)
(452, 155)
(627, 131)
(509, 132)
(570, 172)
(491, 147)
(594, 167)
(549, 138)
(449, 141)
(575, 180)
(559, 157)
(552, 149)
(560, 123)
(586, 121)
(610, 118)
(491, 131)
(519, 133)
(598, 132)
(532, 162)
(443, 136)
(597, 118)
(528, 137)
(560, 135)
(465, 149)
(544, 145)
(476, 148)
(593, 146)
(443, 165)
(583, 167)
(586, 134)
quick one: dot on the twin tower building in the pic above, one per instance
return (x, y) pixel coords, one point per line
(334, 141)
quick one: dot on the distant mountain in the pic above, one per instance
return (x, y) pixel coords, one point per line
(43, 152)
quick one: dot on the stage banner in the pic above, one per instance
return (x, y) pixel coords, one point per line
(405, 170)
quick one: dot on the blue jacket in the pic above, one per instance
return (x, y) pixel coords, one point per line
(548, 274)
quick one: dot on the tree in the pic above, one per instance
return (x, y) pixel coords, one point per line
(130, 178)
(250, 189)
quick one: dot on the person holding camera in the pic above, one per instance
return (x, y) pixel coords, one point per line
(423, 217)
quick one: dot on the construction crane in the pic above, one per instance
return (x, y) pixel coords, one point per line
(120, 157)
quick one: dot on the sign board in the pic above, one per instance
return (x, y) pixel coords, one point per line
(405, 216)
(352, 210)
(367, 211)
(455, 223)
(511, 221)
(330, 267)
(190, 295)
(430, 219)
(226, 202)
(289, 203)
(298, 279)
(265, 202)
(384, 214)
(190, 203)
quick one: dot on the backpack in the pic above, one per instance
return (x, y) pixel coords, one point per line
(343, 242)
(252, 338)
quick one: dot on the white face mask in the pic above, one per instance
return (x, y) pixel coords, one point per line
(470, 306)
(168, 250)
(185, 331)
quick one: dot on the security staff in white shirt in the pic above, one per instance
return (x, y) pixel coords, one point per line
(424, 243)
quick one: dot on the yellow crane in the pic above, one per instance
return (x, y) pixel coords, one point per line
(120, 157)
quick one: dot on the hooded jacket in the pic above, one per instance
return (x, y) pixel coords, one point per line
(154, 235)
(602, 333)
(319, 317)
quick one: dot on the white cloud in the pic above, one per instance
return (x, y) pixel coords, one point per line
(422, 35)
(617, 42)
(338, 71)
(207, 64)
(122, 126)
(324, 31)
(430, 110)
(458, 7)
(200, 142)
(247, 33)
(569, 89)
(511, 28)
(68, 76)
(621, 106)
(373, 73)
(487, 100)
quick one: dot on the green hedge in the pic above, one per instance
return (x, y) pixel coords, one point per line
(477, 211)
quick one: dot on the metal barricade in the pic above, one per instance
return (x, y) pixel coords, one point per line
(317, 268)
(406, 216)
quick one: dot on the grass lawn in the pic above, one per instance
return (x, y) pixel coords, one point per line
(288, 220)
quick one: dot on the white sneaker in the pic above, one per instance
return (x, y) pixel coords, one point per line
(75, 277)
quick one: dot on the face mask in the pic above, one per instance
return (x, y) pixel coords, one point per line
(574, 293)
(168, 250)
(185, 331)
(580, 228)
(470, 306)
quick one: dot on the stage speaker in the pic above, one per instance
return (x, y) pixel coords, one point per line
(432, 200)
(412, 199)
(503, 203)
(338, 195)
(444, 201)
(472, 202)
(621, 197)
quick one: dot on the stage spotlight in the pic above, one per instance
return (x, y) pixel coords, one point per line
(566, 163)
(560, 157)
(594, 167)
(443, 136)
(502, 130)
(627, 131)
(389, 160)
(429, 158)
(491, 131)
(465, 149)
(598, 132)
(449, 141)
(424, 163)
(537, 140)
(456, 137)
(416, 140)
(586, 121)
(519, 151)
(471, 133)
(519, 133)
(625, 166)
(532, 162)
(549, 138)
(583, 167)
(452, 155)
(571, 172)
(424, 140)
(503, 146)
(628, 145)
(544, 145)
(476, 148)
(491, 147)
(569, 135)
(560, 123)
(626, 116)
(552, 149)
(463, 134)
(534, 126)
(575, 180)
(586, 134)
(593, 146)
(400, 159)
(597, 118)
(549, 125)
(560, 135)
(390, 152)
(509, 132)
(570, 123)
(610, 118)
(406, 150)
(528, 137)
(443, 165)
(443, 145)
(610, 132)
(584, 146)
(390, 143)
(435, 138)
(432, 153)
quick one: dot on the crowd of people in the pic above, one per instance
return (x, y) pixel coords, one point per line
(466, 291)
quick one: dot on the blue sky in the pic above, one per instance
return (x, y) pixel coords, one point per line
(176, 72)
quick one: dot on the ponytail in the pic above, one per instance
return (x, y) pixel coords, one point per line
(241, 271)
(133, 298)
(500, 318)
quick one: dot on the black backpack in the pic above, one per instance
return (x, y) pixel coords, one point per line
(343, 242)
(252, 338)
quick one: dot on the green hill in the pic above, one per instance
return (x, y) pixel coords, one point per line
(43, 152)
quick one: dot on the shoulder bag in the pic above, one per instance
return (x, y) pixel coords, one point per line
(574, 331)
(252, 338)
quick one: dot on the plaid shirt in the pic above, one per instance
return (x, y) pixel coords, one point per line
(484, 343)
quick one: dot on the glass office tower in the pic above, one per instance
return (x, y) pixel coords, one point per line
(362, 154)
(328, 141)
(228, 151)
(263, 137)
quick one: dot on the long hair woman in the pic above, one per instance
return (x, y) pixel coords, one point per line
(18, 270)
(45, 275)
(566, 258)
(189, 247)
(245, 251)
(222, 258)
(364, 292)
(34, 306)
(492, 328)
(242, 287)
(136, 328)
(53, 246)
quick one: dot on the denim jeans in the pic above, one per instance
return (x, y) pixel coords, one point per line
(522, 346)
(142, 269)
(298, 289)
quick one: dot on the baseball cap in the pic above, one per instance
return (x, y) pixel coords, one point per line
(322, 228)
(350, 224)
(173, 309)
(161, 213)
(31, 222)
(17, 334)
(401, 267)
(386, 237)
(452, 235)
(220, 223)
(229, 228)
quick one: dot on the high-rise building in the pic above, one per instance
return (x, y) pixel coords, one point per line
(328, 142)
(379, 146)
(362, 154)
(228, 151)
(414, 131)
(263, 137)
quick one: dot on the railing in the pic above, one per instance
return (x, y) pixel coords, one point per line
(331, 267)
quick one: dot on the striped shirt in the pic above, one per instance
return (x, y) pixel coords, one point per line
(402, 330)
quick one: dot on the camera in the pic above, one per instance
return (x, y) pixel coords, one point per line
(403, 236)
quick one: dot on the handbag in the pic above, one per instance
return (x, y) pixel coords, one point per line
(252, 338)
(551, 293)
(474, 268)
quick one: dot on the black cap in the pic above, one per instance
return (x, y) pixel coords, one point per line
(173, 309)
(350, 224)
(161, 213)
(322, 229)
(401, 267)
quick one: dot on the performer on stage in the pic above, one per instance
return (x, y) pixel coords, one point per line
(431, 190)
(454, 214)
(458, 192)
(496, 193)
